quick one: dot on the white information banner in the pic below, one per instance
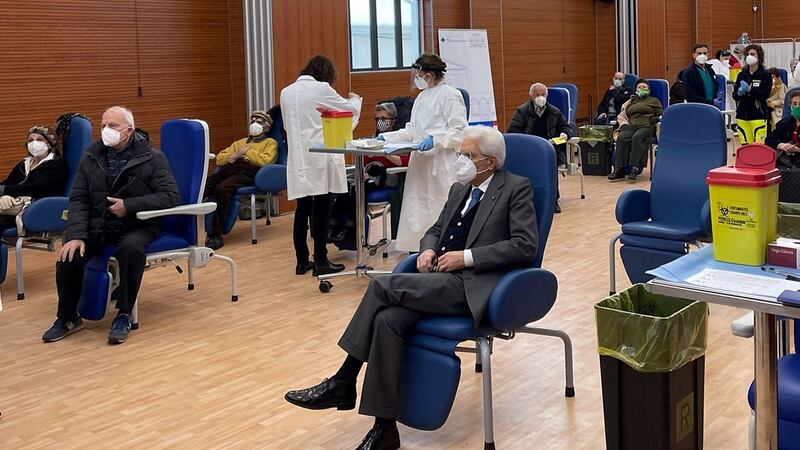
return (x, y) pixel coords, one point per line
(466, 53)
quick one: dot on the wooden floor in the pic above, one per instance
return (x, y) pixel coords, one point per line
(203, 372)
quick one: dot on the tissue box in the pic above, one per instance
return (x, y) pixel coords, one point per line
(784, 253)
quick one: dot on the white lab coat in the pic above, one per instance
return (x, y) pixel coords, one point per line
(725, 71)
(312, 173)
(794, 78)
(440, 112)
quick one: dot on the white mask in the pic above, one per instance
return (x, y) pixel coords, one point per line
(464, 170)
(617, 83)
(726, 62)
(751, 60)
(111, 137)
(540, 101)
(420, 83)
(701, 59)
(37, 148)
(256, 129)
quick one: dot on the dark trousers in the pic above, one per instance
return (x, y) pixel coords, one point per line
(318, 209)
(7, 222)
(221, 185)
(129, 254)
(390, 308)
(632, 145)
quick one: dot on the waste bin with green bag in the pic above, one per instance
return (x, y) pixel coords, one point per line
(595, 144)
(652, 367)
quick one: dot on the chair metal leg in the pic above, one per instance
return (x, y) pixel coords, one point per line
(478, 365)
(269, 209)
(484, 344)
(135, 316)
(612, 265)
(18, 262)
(234, 276)
(569, 391)
(190, 275)
(386, 235)
(253, 238)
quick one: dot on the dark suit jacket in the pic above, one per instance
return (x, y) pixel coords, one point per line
(694, 91)
(503, 236)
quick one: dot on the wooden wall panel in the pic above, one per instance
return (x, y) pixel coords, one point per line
(606, 45)
(580, 54)
(679, 37)
(652, 40)
(82, 56)
(720, 21)
(448, 14)
(304, 28)
(780, 21)
(240, 116)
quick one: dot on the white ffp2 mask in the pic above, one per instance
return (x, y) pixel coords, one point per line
(701, 59)
(37, 148)
(420, 83)
(540, 101)
(256, 129)
(464, 170)
(111, 137)
(751, 60)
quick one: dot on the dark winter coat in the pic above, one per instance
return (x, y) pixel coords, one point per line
(752, 105)
(694, 90)
(48, 179)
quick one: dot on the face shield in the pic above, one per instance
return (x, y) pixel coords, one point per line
(417, 76)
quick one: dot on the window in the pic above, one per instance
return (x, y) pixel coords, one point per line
(384, 34)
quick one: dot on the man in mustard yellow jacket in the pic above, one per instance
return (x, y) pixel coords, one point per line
(238, 165)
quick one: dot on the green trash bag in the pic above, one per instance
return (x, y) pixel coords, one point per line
(789, 220)
(650, 332)
(595, 133)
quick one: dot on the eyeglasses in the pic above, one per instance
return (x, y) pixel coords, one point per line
(473, 157)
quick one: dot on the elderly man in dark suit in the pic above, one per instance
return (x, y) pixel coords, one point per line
(487, 228)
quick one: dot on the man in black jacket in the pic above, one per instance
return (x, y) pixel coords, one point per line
(699, 79)
(540, 118)
(117, 177)
(615, 96)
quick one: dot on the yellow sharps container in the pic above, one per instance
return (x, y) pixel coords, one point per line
(337, 127)
(744, 206)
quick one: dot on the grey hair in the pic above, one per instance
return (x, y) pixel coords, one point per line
(534, 86)
(387, 107)
(490, 142)
(126, 114)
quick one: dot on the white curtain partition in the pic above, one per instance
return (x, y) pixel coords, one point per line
(258, 54)
(777, 52)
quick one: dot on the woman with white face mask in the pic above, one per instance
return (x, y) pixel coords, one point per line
(42, 173)
(751, 91)
(438, 118)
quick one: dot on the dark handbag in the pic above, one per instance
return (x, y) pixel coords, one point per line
(789, 190)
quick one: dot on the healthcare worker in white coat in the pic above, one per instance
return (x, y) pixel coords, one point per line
(437, 120)
(312, 177)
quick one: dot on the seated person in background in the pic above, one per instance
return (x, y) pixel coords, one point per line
(676, 91)
(638, 116)
(238, 165)
(794, 74)
(385, 121)
(776, 97)
(41, 174)
(783, 138)
(615, 96)
(117, 177)
(539, 118)
(457, 275)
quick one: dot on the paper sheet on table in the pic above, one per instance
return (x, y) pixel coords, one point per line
(689, 265)
(399, 147)
(742, 283)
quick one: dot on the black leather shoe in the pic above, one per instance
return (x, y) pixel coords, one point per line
(326, 267)
(635, 171)
(331, 393)
(302, 268)
(381, 438)
(557, 209)
(617, 175)
(214, 242)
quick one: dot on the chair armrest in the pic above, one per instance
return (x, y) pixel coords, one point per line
(407, 265)
(705, 219)
(522, 296)
(46, 215)
(396, 170)
(633, 205)
(198, 209)
(271, 178)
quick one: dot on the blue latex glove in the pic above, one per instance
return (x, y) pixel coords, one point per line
(743, 87)
(425, 145)
(380, 138)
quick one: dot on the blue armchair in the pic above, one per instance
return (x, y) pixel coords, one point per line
(630, 80)
(185, 144)
(572, 89)
(269, 181)
(44, 219)
(658, 225)
(431, 368)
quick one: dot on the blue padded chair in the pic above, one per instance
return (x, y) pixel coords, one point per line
(660, 89)
(269, 181)
(185, 143)
(657, 225)
(788, 403)
(630, 80)
(787, 102)
(560, 98)
(465, 94)
(431, 369)
(573, 99)
(43, 219)
(784, 74)
(720, 97)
